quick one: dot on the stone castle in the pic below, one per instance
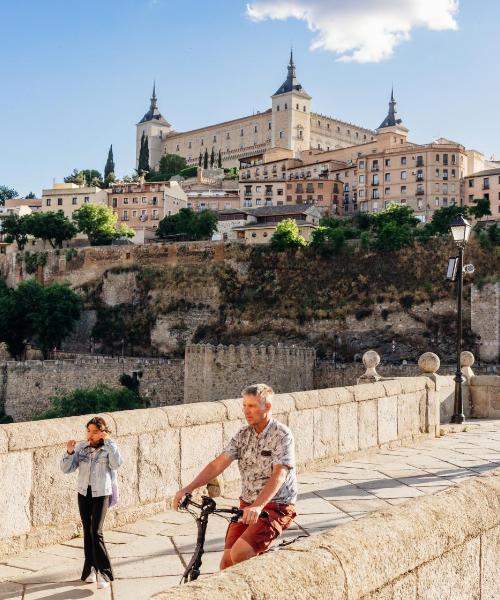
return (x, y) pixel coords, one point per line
(289, 124)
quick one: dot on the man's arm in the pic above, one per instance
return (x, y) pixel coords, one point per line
(277, 479)
(214, 468)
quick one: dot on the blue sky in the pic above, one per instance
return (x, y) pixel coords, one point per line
(76, 76)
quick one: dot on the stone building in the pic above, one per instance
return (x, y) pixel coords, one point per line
(68, 197)
(484, 184)
(142, 204)
(289, 123)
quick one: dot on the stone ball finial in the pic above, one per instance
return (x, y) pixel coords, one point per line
(371, 359)
(429, 362)
(466, 359)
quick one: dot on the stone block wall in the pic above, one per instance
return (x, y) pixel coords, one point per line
(485, 392)
(25, 387)
(213, 372)
(442, 546)
(164, 447)
(485, 320)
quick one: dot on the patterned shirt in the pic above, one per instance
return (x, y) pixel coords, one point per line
(257, 453)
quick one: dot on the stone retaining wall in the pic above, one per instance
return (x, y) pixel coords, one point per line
(25, 387)
(485, 392)
(442, 546)
(165, 447)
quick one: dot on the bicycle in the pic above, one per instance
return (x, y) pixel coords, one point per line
(207, 507)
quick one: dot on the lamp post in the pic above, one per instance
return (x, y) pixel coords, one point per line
(460, 231)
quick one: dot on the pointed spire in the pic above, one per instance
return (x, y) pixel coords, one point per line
(291, 66)
(392, 118)
(153, 97)
(291, 83)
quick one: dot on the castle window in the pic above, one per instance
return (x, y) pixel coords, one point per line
(269, 125)
(255, 129)
(286, 106)
(304, 108)
(215, 138)
(227, 136)
(75, 201)
(202, 143)
(189, 144)
(177, 147)
(319, 123)
(282, 134)
(241, 133)
(278, 107)
(338, 129)
(297, 106)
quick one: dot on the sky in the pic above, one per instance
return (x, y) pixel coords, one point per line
(76, 76)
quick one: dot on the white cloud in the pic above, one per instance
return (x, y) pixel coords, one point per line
(360, 30)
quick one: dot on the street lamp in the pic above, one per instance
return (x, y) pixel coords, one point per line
(460, 231)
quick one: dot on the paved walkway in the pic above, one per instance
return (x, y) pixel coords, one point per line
(149, 556)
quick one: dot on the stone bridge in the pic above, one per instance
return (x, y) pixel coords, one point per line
(370, 448)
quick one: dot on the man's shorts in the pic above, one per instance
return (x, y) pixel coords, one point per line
(260, 535)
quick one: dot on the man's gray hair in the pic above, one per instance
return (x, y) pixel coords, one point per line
(262, 390)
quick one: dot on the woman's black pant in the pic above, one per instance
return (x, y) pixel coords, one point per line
(93, 512)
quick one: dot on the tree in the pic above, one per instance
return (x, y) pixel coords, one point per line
(55, 316)
(53, 227)
(88, 177)
(442, 217)
(200, 159)
(394, 236)
(205, 159)
(329, 240)
(109, 169)
(99, 399)
(172, 164)
(15, 229)
(198, 226)
(212, 158)
(287, 236)
(6, 193)
(143, 164)
(219, 159)
(396, 213)
(99, 224)
(47, 314)
(30, 196)
(481, 208)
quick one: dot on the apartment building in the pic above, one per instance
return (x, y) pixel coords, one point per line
(484, 184)
(142, 204)
(68, 197)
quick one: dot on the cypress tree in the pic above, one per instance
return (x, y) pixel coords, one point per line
(212, 158)
(143, 164)
(200, 159)
(110, 164)
(219, 160)
(205, 159)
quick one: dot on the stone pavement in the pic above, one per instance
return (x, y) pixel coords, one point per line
(149, 555)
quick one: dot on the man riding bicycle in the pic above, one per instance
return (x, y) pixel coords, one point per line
(266, 459)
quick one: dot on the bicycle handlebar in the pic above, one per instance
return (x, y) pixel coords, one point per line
(208, 505)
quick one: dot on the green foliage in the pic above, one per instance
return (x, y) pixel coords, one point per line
(53, 227)
(47, 314)
(99, 399)
(205, 159)
(200, 159)
(198, 226)
(99, 224)
(212, 158)
(30, 196)
(189, 172)
(232, 173)
(363, 221)
(442, 217)
(393, 236)
(109, 168)
(33, 260)
(88, 177)
(172, 164)
(330, 240)
(481, 208)
(15, 229)
(6, 193)
(365, 240)
(219, 159)
(287, 236)
(70, 253)
(400, 214)
(143, 162)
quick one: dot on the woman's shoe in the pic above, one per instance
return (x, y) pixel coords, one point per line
(92, 577)
(101, 582)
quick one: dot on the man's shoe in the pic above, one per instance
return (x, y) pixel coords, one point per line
(101, 582)
(92, 577)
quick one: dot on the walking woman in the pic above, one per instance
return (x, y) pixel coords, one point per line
(97, 460)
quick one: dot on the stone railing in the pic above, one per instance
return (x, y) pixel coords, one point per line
(445, 545)
(164, 448)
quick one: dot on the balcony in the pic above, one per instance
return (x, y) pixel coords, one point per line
(420, 192)
(375, 168)
(420, 177)
(486, 186)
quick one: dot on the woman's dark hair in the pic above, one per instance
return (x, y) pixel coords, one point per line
(100, 423)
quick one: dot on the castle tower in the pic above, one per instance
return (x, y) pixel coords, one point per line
(156, 128)
(392, 129)
(291, 114)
